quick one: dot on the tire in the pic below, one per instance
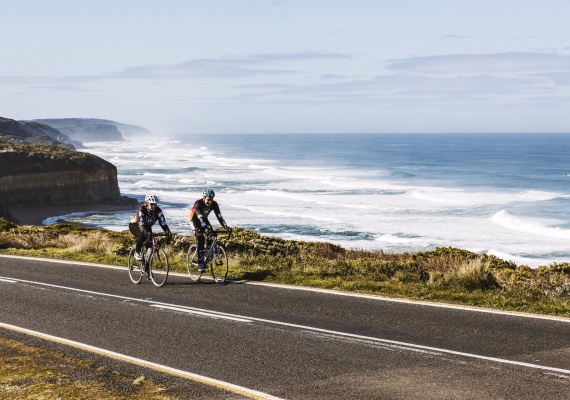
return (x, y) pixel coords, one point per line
(219, 264)
(192, 263)
(134, 266)
(158, 268)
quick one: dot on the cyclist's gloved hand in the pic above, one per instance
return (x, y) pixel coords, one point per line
(168, 235)
(228, 230)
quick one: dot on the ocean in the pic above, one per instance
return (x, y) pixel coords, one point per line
(501, 194)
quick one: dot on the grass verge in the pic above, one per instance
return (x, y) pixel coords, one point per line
(28, 372)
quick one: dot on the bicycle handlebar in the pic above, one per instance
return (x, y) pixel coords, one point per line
(150, 235)
(212, 232)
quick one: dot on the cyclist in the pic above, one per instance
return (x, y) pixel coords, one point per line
(141, 223)
(199, 218)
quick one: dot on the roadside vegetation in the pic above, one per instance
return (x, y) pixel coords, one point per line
(445, 274)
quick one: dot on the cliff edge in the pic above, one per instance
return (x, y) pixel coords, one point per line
(35, 175)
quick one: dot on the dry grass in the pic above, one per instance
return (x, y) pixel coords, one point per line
(27, 372)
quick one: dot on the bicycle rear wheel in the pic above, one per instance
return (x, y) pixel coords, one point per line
(219, 264)
(192, 263)
(158, 267)
(135, 270)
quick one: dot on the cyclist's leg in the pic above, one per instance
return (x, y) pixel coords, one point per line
(140, 237)
(201, 242)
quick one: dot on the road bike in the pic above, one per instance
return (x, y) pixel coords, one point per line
(154, 263)
(215, 259)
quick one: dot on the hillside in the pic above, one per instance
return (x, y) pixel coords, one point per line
(30, 132)
(92, 129)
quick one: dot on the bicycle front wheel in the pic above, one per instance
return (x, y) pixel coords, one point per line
(192, 263)
(135, 270)
(158, 268)
(219, 264)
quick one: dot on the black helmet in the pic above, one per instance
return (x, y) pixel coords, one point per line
(208, 193)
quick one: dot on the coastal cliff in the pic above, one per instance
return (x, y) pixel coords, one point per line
(39, 166)
(32, 175)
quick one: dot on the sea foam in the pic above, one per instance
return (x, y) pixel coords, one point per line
(527, 225)
(389, 192)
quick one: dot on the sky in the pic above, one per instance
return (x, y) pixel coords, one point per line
(290, 66)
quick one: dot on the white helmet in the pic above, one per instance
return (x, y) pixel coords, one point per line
(208, 193)
(149, 198)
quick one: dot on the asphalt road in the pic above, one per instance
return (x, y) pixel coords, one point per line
(289, 343)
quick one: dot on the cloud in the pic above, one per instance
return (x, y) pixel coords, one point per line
(332, 76)
(559, 78)
(454, 37)
(483, 63)
(445, 78)
(301, 56)
(199, 69)
(49, 80)
(399, 88)
(227, 67)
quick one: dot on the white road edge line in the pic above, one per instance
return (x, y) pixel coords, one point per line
(163, 368)
(313, 329)
(326, 291)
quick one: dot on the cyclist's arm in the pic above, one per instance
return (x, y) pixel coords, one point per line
(142, 219)
(221, 220)
(162, 221)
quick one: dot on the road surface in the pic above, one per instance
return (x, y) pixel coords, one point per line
(269, 341)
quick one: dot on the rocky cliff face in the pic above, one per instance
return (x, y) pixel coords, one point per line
(48, 175)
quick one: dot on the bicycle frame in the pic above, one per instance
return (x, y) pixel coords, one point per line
(215, 259)
(210, 248)
(154, 263)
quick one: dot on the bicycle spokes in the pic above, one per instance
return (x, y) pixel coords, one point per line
(219, 265)
(135, 271)
(158, 267)
(154, 265)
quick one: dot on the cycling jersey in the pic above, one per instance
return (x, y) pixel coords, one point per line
(142, 222)
(200, 211)
(147, 218)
